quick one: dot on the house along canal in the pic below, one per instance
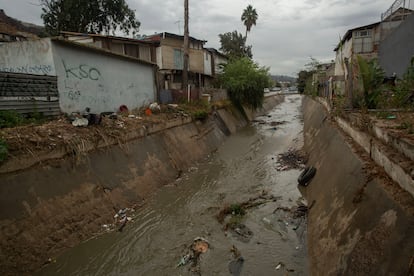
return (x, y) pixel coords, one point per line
(238, 212)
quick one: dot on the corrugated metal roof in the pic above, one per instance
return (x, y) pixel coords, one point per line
(100, 50)
(348, 34)
(126, 39)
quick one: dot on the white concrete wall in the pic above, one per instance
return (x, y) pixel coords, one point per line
(207, 63)
(28, 57)
(87, 78)
(341, 54)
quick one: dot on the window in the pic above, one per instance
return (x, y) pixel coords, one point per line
(363, 33)
(178, 59)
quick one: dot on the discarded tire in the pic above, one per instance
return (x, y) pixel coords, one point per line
(306, 176)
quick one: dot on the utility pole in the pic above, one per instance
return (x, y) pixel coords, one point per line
(186, 44)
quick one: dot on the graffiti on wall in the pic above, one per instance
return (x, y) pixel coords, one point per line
(84, 83)
(27, 57)
(42, 69)
(80, 84)
(82, 71)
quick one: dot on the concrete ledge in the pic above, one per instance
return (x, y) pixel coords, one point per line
(381, 156)
(402, 145)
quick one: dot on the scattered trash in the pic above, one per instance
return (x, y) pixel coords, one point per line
(49, 261)
(120, 124)
(292, 159)
(266, 220)
(113, 116)
(391, 116)
(155, 107)
(279, 265)
(173, 106)
(200, 245)
(236, 265)
(148, 112)
(243, 232)
(123, 109)
(277, 123)
(307, 174)
(197, 247)
(184, 260)
(121, 218)
(132, 116)
(80, 122)
(106, 226)
(94, 119)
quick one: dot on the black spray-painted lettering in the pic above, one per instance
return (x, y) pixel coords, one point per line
(82, 71)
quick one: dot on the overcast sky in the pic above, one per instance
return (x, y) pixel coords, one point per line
(287, 33)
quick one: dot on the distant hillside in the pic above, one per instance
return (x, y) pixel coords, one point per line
(11, 26)
(281, 78)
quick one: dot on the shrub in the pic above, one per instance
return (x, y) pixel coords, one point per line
(245, 82)
(10, 118)
(3, 150)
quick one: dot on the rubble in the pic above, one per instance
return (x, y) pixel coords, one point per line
(292, 159)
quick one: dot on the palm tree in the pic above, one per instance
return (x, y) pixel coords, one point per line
(249, 18)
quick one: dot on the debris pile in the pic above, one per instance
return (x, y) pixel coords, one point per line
(121, 218)
(231, 216)
(193, 253)
(236, 265)
(292, 159)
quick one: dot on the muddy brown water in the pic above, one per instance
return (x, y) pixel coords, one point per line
(242, 168)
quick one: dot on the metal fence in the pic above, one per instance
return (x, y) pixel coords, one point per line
(27, 94)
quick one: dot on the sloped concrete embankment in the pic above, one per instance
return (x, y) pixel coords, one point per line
(57, 204)
(362, 222)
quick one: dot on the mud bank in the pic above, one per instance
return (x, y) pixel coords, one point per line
(362, 222)
(59, 203)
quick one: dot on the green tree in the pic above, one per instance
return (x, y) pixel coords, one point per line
(372, 77)
(233, 44)
(245, 81)
(303, 77)
(249, 18)
(92, 16)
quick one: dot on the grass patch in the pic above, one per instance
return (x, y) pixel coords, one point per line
(11, 118)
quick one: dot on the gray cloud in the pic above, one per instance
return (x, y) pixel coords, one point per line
(287, 33)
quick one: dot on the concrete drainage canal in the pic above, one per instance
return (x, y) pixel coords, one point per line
(239, 212)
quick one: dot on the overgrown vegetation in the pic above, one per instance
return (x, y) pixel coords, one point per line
(403, 93)
(11, 118)
(372, 77)
(3, 150)
(198, 110)
(245, 82)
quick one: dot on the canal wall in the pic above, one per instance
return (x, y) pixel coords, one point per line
(361, 223)
(58, 203)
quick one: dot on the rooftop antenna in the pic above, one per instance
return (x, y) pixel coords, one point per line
(179, 26)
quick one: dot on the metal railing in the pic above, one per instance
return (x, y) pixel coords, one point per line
(397, 4)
